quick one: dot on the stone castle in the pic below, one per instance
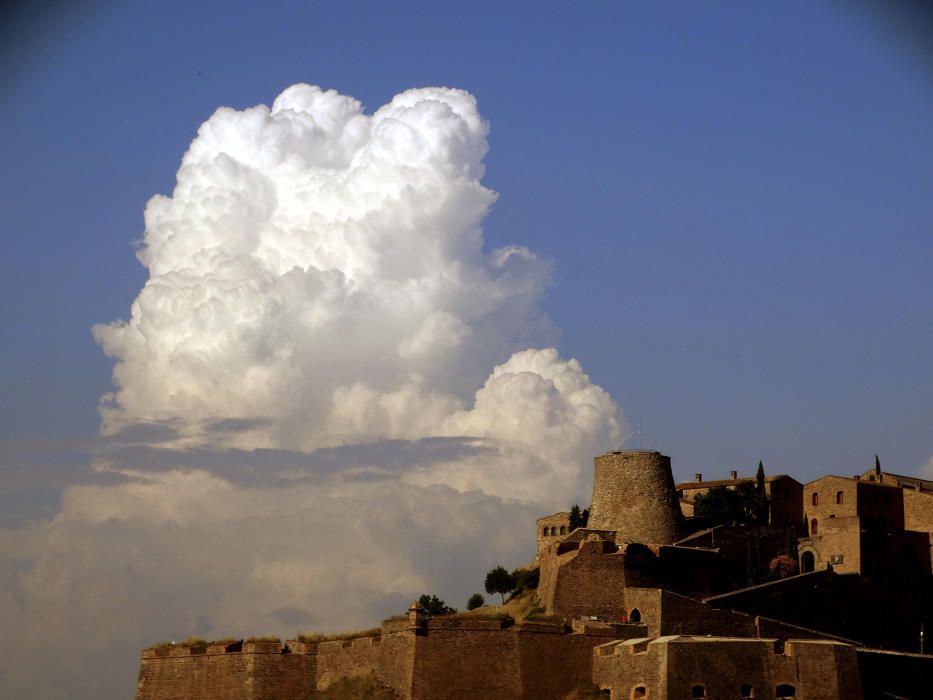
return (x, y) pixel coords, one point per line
(647, 599)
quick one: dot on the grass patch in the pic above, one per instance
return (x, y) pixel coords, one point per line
(193, 642)
(479, 614)
(541, 617)
(311, 637)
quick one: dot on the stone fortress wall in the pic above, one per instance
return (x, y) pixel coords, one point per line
(440, 658)
(717, 667)
(627, 577)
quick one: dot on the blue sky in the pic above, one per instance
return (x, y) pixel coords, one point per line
(735, 202)
(735, 197)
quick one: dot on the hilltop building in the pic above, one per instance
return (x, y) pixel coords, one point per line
(647, 601)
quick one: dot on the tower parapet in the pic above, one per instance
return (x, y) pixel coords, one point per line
(634, 495)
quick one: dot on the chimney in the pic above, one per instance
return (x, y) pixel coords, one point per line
(733, 475)
(698, 477)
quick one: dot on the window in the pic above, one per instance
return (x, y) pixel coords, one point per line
(553, 531)
(747, 691)
(635, 615)
(785, 690)
(699, 691)
(545, 532)
(639, 691)
(814, 527)
(839, 497)
(815, 499)
(563, 530)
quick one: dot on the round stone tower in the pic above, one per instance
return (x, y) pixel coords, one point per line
(633, 494)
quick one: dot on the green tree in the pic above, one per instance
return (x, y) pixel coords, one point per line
(721, 505)
(476, 601)
(578, 518)
(761, 510)
(433, 605)
(526, 578)
(499, 581)
(746, 504)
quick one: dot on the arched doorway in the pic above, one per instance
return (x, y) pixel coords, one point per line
(635, 615)
(807, 562)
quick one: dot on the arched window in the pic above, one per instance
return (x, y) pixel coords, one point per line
(747, 691)
(814, 527)
(639, 691)
(784, 691)
(563, 530)
(840, 497)
(545, 532)
(807, 563)
(635, 615)
(698, 691)
(553, 531)
(815, 499)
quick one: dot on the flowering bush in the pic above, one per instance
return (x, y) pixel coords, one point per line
(783, 566)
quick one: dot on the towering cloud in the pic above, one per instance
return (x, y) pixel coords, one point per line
(319, 274)
(327, 400)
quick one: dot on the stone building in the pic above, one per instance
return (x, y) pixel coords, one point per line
(723, 667)
(914, 483)
(551, 529)
(644, 602)
(785, 496)
(858, 526)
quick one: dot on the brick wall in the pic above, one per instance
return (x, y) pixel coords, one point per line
(256, 673)
(675, 666)
(918, 512)
(345, 659)
(587, 581)
(466, 658)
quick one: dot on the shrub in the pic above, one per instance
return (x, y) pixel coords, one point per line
(541, 617)
(433, 605)
(476, 601)
(526, 578)
(193, 642)
(783, 566)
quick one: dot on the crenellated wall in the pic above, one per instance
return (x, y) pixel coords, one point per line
(445, 657)
(250, 671)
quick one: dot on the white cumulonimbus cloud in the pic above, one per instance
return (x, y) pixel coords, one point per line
(344, 402)
(321, 272)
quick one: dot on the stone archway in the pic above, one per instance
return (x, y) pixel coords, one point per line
(807, 562)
